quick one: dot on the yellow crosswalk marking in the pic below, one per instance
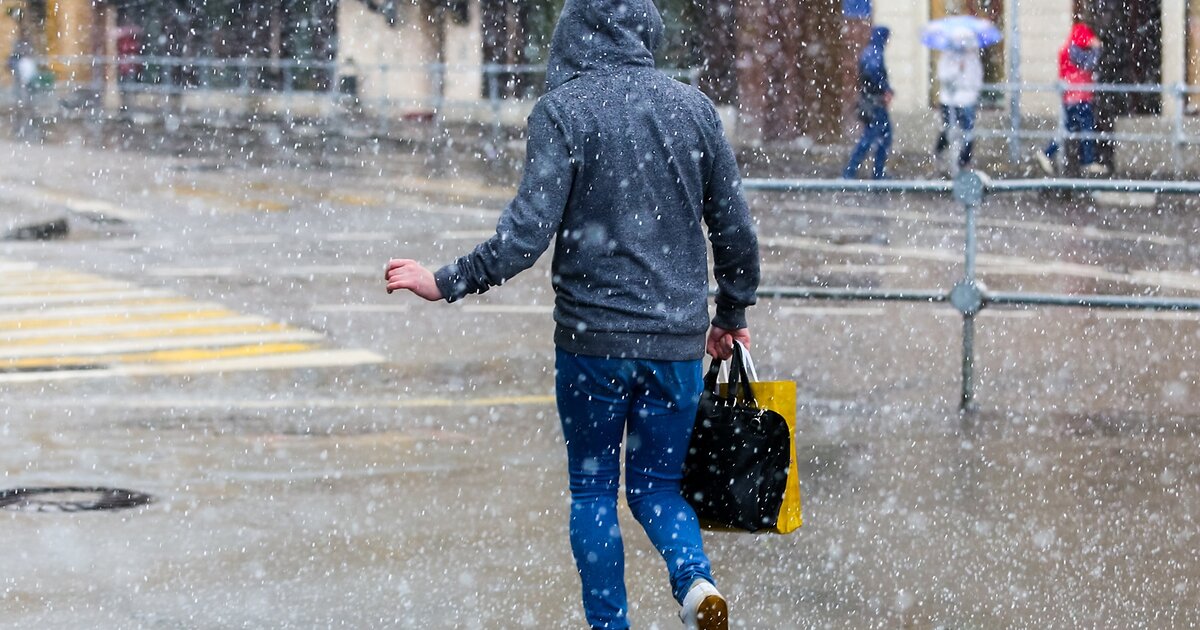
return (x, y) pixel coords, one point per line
(160, 356)
(191, 331)
(53, 321)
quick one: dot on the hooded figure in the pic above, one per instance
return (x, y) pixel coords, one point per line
(625, 167)
(1077, 62)
(874, 97)
(872, 71)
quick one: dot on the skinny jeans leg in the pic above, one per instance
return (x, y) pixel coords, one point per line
(597, 400)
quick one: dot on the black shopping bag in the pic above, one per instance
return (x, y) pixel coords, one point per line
(736, 470)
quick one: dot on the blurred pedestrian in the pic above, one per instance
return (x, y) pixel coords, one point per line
(24, 68)
(129, 49)
(874, 99)
(624, 166)
(1077, 63)
(960, 78)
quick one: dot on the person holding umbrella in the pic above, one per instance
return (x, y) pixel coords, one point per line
(960, 78)
(960, 75)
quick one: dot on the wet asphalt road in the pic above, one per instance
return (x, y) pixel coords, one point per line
(422, 483)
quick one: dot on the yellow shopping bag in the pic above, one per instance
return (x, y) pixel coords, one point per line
(780, 397)
(741, 472)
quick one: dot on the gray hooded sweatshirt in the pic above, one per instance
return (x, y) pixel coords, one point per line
(623, 166)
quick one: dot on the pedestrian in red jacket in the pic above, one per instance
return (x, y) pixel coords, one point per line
(1077, 62)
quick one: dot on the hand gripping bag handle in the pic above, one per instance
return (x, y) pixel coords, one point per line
(738, 376)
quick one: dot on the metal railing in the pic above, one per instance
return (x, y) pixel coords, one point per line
(412, 91)
(969, 296)
(336, 89)
(1183, 95)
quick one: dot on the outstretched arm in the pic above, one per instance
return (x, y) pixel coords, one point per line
(532, 218)
(409, 274)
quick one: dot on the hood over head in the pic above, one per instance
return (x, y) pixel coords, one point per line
(880, 35)
(1082, 35)
(596, 35)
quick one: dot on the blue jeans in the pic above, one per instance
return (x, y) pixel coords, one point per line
(964, 118)
(1080, 118)
(655, 401)
(878, 134)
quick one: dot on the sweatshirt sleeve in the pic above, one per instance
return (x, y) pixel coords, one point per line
(529, 222)
(731, 232)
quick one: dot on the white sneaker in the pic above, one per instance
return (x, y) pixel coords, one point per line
(1095, 168)
(1043, 161)
(704, 608)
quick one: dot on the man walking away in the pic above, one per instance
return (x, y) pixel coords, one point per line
(624, 168)
(960, 78)
(1077, 62)
(874, 98)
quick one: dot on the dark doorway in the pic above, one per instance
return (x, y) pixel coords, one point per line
(1132, 34)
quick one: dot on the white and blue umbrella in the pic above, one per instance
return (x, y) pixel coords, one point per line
(955, 32)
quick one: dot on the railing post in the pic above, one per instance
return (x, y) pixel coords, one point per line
(493, 88)
(968, 295)
(1060, 133)
(1014, 80)
(1178, 139)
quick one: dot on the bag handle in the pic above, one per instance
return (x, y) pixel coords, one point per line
(741, 369)
(739, 376)
(748, 360)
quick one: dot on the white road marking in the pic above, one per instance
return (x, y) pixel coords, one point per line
(298, 360)
(179, 306)
(990, 314)
(995, 263)
(361, 308)
(478, 235)
(246, 239)
(284, 403)
(332, 270)
(45, 286)
(857, 268)
(280, 272)
(1181, 316)
(193, 272)
(1086, 232)
(75, 331)
(88, 296)
(832, 311)
(357, 236)
(526, 309)
(154, 345)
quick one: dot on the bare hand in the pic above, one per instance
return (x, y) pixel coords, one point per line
(720, 341)
(409, 274)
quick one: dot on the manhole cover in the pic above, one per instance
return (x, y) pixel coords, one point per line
(70, 499)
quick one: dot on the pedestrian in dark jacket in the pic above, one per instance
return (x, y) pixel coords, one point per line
(874, 98)
(624, 168)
